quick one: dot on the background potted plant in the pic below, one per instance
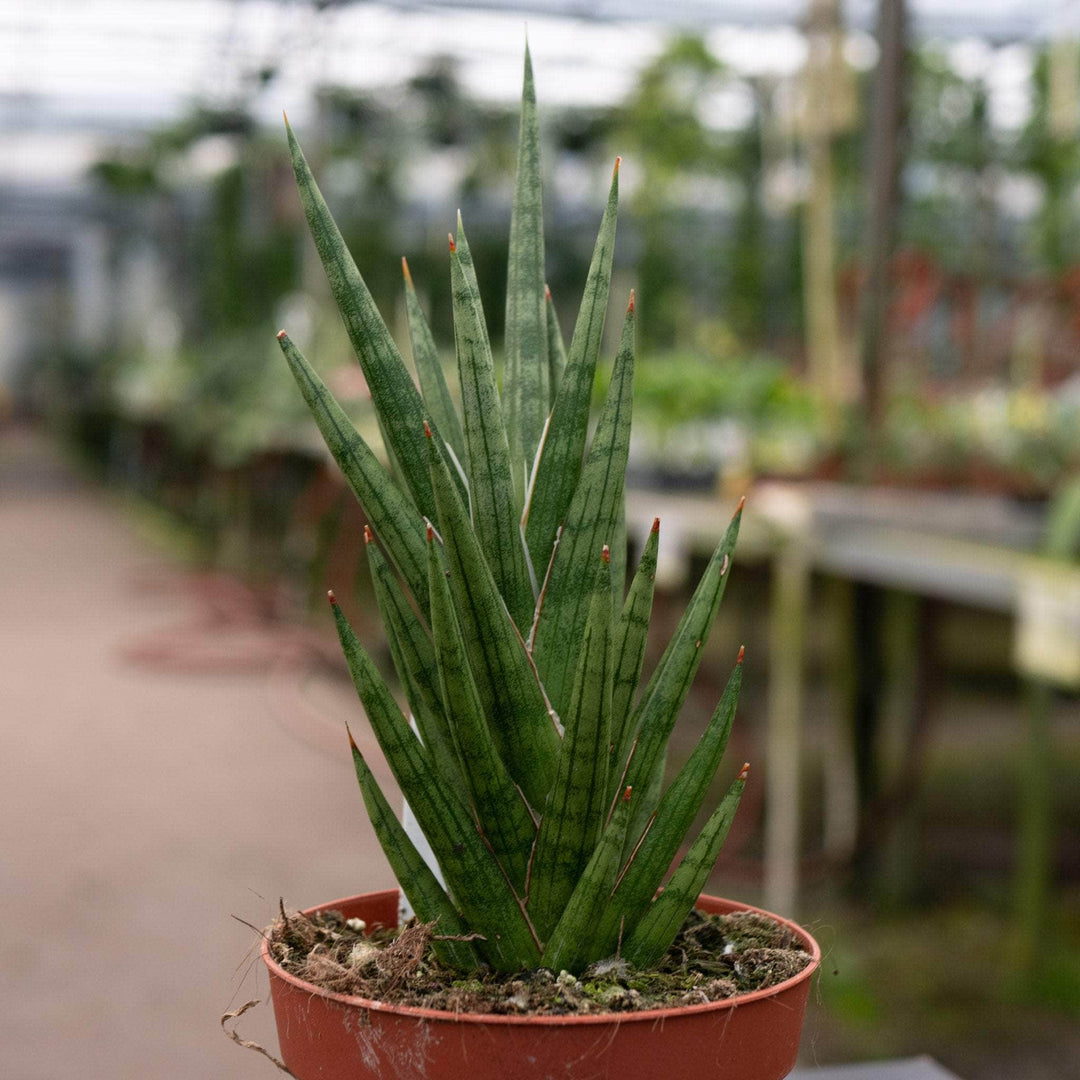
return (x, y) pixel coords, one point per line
(534, 768)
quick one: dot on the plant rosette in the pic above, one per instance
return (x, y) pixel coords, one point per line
(531, 759)
(329, 1036)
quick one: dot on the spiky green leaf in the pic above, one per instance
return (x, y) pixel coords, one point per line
(590, 523)
(396, 399)
(559, 464)
(523, 729)
(570, 947)
(578, 803)
(525, 371)
(438, 402)
(556, 347)
(656, 712)
(618, 553)
(487, 456)
(418, 882)
(651, 938)
(472, 875)
(393, 517)
(413, 654)
(674, 815)
(501, 811)
(631, 635)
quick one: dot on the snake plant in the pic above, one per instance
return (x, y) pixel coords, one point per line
(532, 763)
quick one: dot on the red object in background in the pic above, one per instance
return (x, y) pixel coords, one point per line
(917, 284)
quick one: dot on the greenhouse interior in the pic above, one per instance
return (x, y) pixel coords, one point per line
(849, 232)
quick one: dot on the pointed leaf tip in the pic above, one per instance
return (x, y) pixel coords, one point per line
(405, 269)
(630, 306)
(742, 653)
(605, 554)
(742, 503)
(369, 536)
(453, 246)
(281, 335)
(352, 742)
(744, 772)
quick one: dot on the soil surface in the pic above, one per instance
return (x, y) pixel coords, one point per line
(713, 958)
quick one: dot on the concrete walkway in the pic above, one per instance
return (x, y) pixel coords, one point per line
(142, 805)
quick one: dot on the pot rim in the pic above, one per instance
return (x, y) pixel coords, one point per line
(643, 1016)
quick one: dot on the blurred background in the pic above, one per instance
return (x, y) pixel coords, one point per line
(854, 231)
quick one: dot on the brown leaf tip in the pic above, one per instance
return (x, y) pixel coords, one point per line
(430, 532)
(547, 293)
(352, 742)
(744, 772)
(630, 306)
(405, 269)
(331, 597)
(615, 171)
(281, 335)
(742, 653)
(626, 794)
(369, 536)
(742, 503)
(427, 429)
(453, 246)
(655, 525)
(605, 554)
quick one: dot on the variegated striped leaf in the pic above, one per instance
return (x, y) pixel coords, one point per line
(392, 515)
(414, 660)
(570, 947)
(487, 456)
(651, 938)
(501, 812)
(523, 729)
(417, 880)
(395, 397)
(675, 814)
(556, 347)
(525, 371)
(656, 712)
(438, 402)
(559, 464)
(472, 874)
(590, 523)
(578, 802)
(631, 635)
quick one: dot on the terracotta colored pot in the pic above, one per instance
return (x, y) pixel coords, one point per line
(326, 1036)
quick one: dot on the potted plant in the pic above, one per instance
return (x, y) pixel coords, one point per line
(533, 766)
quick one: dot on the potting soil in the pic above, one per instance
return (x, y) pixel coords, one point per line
(713, 957)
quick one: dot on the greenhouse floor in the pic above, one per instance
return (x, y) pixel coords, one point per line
(150, 796)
